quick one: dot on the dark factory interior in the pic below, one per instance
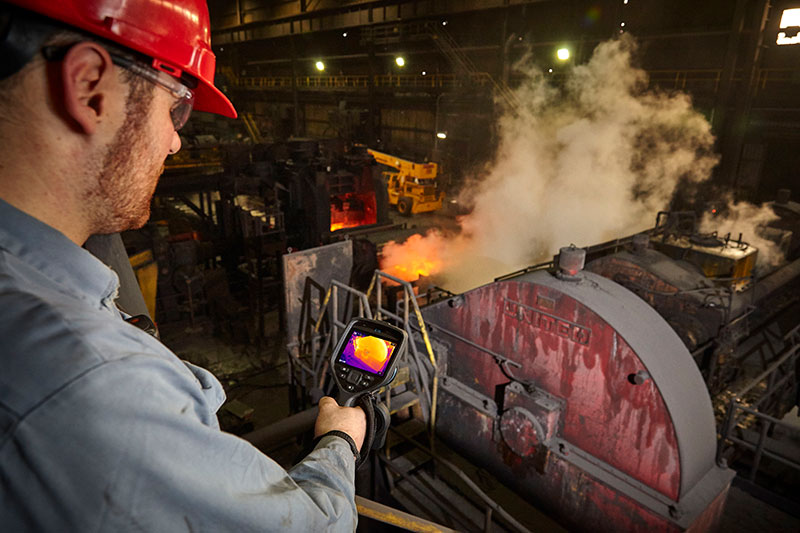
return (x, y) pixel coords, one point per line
(585, 215)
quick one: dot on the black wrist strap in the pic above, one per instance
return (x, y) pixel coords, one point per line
(347, 438)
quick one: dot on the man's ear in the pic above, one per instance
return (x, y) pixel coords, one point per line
(88, 80)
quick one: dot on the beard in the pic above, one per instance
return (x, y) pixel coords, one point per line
(128, 172)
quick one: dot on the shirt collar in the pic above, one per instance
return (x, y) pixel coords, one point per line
(50, 252)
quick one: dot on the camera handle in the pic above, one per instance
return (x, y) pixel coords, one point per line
(377, 415)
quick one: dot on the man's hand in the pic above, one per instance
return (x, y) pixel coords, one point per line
(351, 420)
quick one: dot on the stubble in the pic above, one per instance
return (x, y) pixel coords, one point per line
(128, 171)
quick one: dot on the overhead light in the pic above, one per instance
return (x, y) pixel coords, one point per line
(562, 54)
(320, 66)
(344, 34)
(441, 135)
(401, 62)
(444, 23)
(622, 24)
(424, 72)
(789, 19)
(550, 70)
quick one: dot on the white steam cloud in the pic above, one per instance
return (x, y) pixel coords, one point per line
(752, 222)
(587, 162)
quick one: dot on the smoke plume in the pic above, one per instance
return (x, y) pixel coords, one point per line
(586, 162)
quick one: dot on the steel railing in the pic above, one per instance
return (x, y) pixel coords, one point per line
(757, 404)
(667, 79)
(319, 330)
(396, 81)
(310, 355)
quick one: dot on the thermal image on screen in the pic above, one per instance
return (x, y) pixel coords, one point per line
(367, 353)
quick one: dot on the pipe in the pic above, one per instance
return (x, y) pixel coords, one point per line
(395, 517)
(270, 437)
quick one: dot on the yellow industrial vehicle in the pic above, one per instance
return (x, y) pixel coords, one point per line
(413, 188)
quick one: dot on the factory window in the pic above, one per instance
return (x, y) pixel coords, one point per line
(790, 27)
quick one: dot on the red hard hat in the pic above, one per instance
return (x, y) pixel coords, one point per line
(175, 33)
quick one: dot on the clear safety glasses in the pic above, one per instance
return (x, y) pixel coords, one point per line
(182, 108)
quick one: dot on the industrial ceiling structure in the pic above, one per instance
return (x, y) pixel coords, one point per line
(459, 57)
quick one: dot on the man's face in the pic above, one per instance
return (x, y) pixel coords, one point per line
(133, 161)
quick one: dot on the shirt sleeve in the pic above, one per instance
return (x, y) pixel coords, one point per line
(146, 454)
(210, 385)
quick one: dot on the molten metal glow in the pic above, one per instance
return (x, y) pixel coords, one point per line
(352, 210)
(418, 256)
(351, 223)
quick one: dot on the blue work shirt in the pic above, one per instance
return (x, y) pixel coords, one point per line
(102, 428)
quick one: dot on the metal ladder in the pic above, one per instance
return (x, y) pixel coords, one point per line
(451, 50)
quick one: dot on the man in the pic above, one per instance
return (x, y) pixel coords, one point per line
(102, 428)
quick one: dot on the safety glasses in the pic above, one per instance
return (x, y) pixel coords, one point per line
(182, 108)
(184, 97)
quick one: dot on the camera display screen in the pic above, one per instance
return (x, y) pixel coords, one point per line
(367, 352)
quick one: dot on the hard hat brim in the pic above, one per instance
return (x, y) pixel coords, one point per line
(210, 99)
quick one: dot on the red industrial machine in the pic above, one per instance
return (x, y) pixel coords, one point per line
(706, 291)
(585, 391)
(571, 389)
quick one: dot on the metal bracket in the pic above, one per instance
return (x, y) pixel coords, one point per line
(468, 395)
(543, 407)
(682, 512)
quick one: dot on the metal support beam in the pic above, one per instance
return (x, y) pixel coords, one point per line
(728, 67)
(264, 20)
(373, 110)
(111, 250)
(295, 98)
(737, 123)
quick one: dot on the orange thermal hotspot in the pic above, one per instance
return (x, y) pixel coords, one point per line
(371, 351)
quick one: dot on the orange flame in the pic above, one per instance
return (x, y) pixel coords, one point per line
(353, 210)
(418, 256)
(342, 225)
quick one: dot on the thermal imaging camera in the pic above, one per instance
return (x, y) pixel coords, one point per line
(366, 358)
